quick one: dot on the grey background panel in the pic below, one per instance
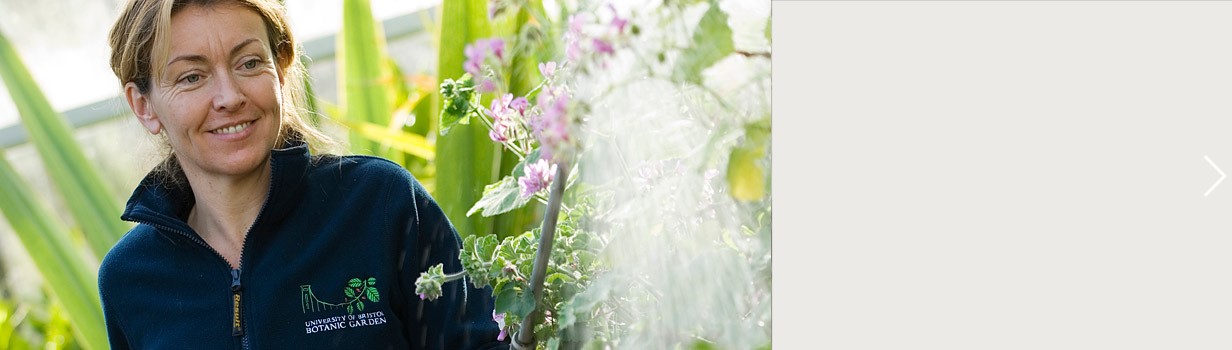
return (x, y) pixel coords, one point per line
(1007, 175)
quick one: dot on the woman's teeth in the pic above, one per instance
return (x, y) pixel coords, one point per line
(232, 129)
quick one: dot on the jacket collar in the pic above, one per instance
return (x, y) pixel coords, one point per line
(166, 206)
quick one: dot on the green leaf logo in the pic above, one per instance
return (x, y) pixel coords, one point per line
(359, 290)
(373, 295)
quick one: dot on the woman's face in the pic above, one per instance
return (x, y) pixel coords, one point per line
(219, 98)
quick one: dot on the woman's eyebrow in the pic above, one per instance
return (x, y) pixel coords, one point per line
(199, 58)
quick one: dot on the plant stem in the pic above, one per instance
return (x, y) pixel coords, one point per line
(525, 338)
(454, 276)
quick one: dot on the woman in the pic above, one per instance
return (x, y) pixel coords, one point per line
(246, 240)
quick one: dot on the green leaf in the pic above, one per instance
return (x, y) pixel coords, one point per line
(558, 276)
(69, 275)
(769, 38)
(506, 300)
(360, 305)
(371, 281)
(500, 197)
(553, 343)
(466, 158)
(712, 41)
(410, 143)
(374, 295)
(525, 304)
(702, 345)
(350, 293)
(355, 283)
(366, 88)
(95, 210)
(745, 175)
(460, 101)
(350, 310)
(568, 315)
(485, 247)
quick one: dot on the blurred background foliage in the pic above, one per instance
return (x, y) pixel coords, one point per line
(374, 87)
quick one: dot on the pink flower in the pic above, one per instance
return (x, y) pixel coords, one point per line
(475, 54)
(520, 104)
(486, 85)
(479, 50)
(618, 23)
(502, 117)
(497, 47)
(548, 69)
(576, 22)
(500, 323)
(602, 46)
(499, 133)
(551, 127)
(423, 296)
(573, 51)
(537, 178)
(500, 110)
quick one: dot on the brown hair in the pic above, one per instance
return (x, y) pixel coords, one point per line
(139, 36)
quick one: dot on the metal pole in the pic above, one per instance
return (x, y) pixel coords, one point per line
(525, 338)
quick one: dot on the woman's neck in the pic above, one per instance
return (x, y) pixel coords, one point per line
(225, 208)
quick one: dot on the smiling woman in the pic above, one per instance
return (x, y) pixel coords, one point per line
(241, 217)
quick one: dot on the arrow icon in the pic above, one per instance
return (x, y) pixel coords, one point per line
(1221, 176)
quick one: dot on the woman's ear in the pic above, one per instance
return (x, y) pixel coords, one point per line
(140, 104)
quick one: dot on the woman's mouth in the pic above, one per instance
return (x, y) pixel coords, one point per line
(231, 129)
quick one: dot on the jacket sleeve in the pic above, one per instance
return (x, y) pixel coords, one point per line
(462, 317)
(115, 334)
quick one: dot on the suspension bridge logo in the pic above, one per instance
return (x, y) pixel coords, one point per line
(355, 293)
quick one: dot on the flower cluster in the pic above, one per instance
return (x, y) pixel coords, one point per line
(506, 112)
(589, 35)
(552, 126)
(428, 286)
(537, 178)
(477, 54)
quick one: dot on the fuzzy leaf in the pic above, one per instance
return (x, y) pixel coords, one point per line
(745, 175)
(525, 304)
(712, 41)
(506, 300)
(500, 197)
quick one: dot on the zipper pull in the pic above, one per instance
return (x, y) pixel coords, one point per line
(237, 325)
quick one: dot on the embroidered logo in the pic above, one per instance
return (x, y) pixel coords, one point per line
(356, 292)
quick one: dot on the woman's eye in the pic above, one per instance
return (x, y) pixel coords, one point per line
(191, 78)
(251, 64)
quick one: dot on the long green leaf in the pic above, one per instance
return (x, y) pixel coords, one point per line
(95, 210)
(364, 78)
(68, 274)
(466, 159)
(401, 140)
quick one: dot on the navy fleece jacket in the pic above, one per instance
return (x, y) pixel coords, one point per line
(330, 263)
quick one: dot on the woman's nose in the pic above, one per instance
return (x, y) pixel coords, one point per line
(229, 96)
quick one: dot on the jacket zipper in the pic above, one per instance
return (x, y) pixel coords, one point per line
(237, 319)
(237, 324)
(237, 316)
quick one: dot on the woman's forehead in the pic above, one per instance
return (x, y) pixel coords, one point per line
(198, 30)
